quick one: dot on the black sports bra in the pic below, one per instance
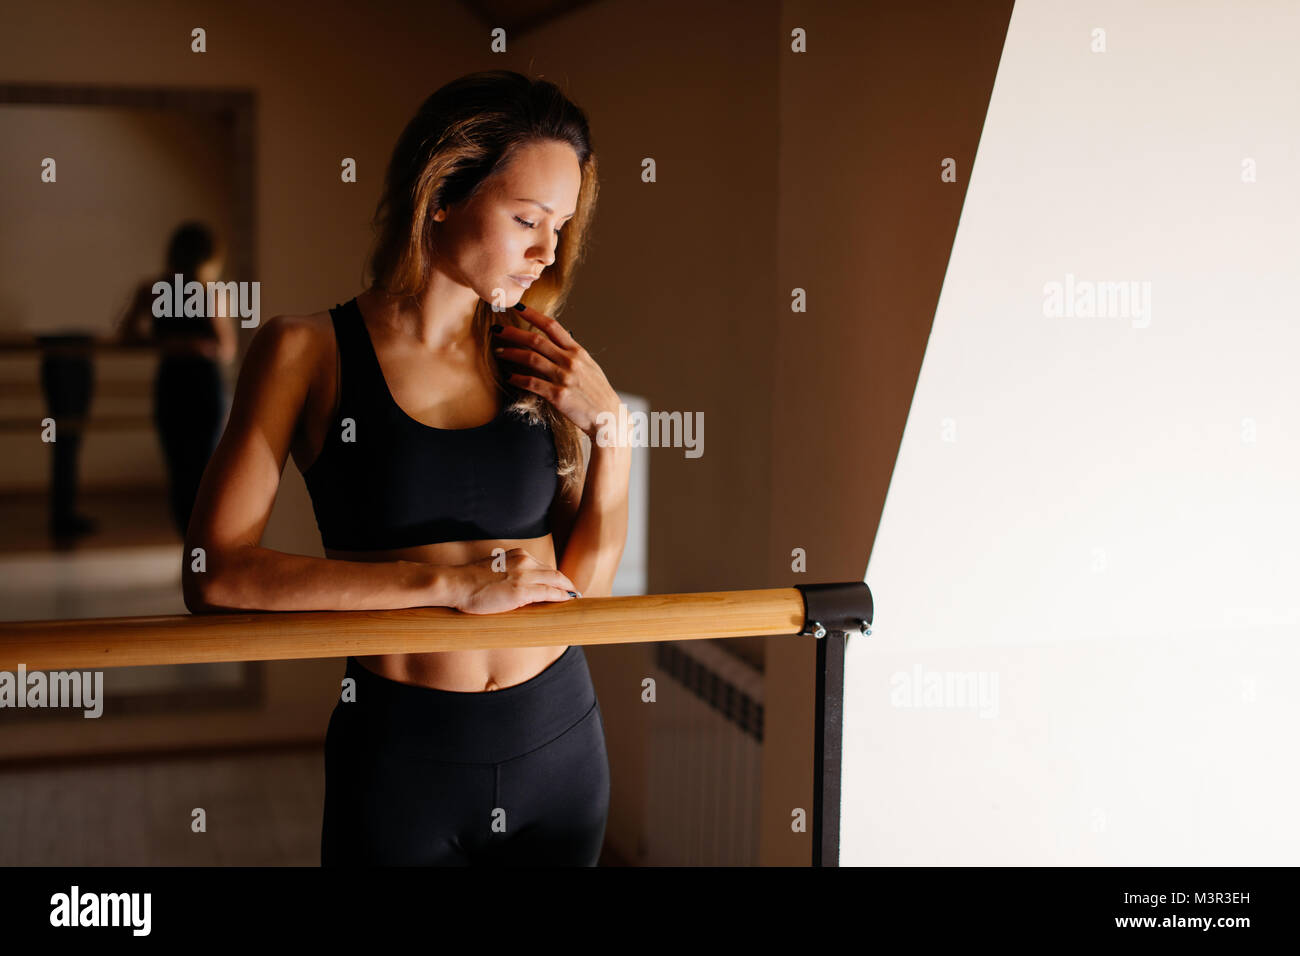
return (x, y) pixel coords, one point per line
(384, 480)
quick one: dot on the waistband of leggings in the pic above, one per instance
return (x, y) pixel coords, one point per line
(470, 726)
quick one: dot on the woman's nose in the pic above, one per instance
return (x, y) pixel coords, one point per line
(546, 252)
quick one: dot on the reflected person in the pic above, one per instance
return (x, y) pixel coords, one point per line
(191, 399)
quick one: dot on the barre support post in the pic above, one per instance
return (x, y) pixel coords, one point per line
(831, 612)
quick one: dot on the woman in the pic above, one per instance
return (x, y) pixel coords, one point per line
(190, 400)
(422, 455)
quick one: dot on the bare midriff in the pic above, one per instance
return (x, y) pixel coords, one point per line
(466, 671)
(471, 670)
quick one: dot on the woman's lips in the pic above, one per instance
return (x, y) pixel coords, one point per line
(524, 281)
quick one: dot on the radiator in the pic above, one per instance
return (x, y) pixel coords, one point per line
(706, 741)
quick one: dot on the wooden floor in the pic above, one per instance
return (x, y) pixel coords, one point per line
(126, 519)
(263, 809)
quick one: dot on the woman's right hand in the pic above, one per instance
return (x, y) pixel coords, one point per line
(525, 580)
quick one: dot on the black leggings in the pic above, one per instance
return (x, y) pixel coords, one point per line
(416, 776)
(68, 380)
(190, 408)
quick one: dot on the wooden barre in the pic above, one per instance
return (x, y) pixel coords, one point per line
(138, 388)
(31, 424)
(95, 643)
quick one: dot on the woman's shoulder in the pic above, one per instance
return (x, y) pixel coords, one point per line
(302, 329)
(300, 340)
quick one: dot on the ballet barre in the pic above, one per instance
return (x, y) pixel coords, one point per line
(828, 612)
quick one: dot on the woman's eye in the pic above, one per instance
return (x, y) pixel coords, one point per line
(532, 225)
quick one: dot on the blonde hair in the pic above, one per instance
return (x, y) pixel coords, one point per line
(462, 135)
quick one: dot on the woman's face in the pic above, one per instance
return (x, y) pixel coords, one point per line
(497, 239)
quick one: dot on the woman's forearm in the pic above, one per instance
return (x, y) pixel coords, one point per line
(260, 579)
(599, 534)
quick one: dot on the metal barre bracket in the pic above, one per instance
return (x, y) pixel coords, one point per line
(843, 608)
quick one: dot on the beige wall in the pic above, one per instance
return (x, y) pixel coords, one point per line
(885, 93)
(774, 171)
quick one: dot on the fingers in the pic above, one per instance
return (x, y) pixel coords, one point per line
(540, 386)
(548, 577)
(519, 344)
(527, 358)
(535, 581)
(557, 332)
(542, 592)
(562, 582)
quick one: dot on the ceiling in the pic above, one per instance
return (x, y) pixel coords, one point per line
(520, 16)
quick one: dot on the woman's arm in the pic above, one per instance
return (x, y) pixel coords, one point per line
(593, 544)
(565, 374)
(133, 322)
(239, 488)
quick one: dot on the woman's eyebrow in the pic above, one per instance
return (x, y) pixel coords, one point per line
(544, 206)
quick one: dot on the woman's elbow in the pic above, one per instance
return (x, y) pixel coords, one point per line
(204, 589)
(197, 590)
(195, 601)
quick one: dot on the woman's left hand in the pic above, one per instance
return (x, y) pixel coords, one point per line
(559, 369)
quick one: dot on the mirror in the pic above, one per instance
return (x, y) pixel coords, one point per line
(108, 415)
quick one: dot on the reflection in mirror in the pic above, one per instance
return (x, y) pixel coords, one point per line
(108, 410)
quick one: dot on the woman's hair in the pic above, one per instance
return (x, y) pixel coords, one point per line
(465, 133)
(191, 245)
